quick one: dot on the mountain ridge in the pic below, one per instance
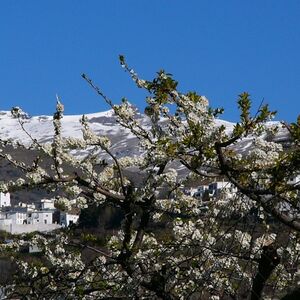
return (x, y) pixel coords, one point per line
(124, 143)
(102, 123)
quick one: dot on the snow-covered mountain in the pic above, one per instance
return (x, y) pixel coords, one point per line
(41, 128)
(102, 123)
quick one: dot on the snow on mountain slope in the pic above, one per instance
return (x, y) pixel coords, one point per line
(103, 123)
(41, 127)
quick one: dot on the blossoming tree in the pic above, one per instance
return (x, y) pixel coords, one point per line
(169, 246)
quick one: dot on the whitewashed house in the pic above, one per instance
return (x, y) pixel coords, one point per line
(2, 214)
(5, 224)
(18, 217)
(29, 207)
(215, 188)
(294, 180)
(199, 193)
(190, 191)
(47, 204)
(40, 217)
(4, 199)
(16, 214)
(34, 249)
(25, 218)
(32, 217)
(67, 219)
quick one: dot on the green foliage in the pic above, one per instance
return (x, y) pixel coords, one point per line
(194, 97)
(244, 104)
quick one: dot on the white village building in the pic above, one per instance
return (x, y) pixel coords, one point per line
(190, 191)
(30, 207)
(40, 217)
(294, 180)
(213, 189)
(67, 219)
(200, 191)
(26, 218)
(217, 187)
(47, 204)
(4, 199)
(23, 220)
(18, 217)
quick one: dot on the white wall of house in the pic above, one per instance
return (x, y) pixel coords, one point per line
(47, 204)
(40, 217)
(27, 206)
(213, 189)
(294, 180)
(190, 191)
(3, 215)
(25, 228)
(5, 222)
(68, 219)
(216, 187)
(18, 222)
(17, 217)
(200, 191)
(25, 218)
(4, 199)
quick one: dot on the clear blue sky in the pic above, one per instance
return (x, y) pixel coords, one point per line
(217, 48)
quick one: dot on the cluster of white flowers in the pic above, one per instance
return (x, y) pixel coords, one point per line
(244, 238)
(129, 161)
(169, 177)
(36, 176)
(180, 204)
(264, 240)
(75, 143)
(81, 202)
(125, 111)
(106, 175)
(73, 190)
(99, 198)
(229, 204)
(62, 203)
(264, 154)
(91, 138)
